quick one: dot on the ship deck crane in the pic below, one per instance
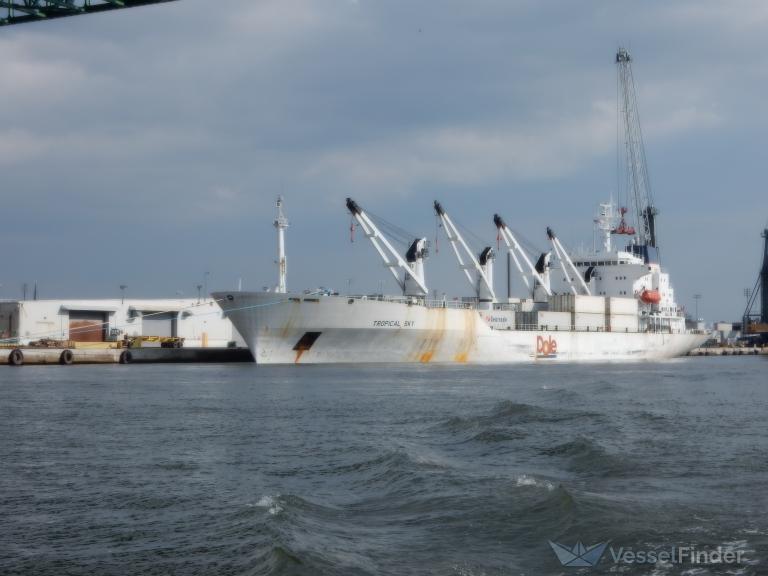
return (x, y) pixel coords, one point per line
(479, 274)
(518, 253)
(412, 282)
(567, 264)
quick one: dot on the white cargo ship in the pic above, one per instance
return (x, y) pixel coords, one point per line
(607, 304)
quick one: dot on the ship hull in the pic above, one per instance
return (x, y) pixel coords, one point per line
(296, 329)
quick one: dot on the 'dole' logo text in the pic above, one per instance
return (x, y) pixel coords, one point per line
(546, 348)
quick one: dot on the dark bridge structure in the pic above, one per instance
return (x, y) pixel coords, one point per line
(756, 322)
(22, 11)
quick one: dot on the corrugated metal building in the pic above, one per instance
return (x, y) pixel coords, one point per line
(199, 322)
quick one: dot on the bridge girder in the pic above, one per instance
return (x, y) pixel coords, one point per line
(22, 11)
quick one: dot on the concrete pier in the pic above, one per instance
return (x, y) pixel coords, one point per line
(728, 351)
(62, 356)
(65, 356)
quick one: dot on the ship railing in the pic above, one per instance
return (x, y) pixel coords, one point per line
(454, 304)
(468, 304)
(411, 300)
(573, 328)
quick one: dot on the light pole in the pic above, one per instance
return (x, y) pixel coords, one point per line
(696, 298)
(122, 293)
(199, 288)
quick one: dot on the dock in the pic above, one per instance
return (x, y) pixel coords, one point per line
(23, 356)
(729, 351)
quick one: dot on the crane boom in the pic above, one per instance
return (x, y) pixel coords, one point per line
(482, 284)
(392, 260)
(514, 247)
(567, 264)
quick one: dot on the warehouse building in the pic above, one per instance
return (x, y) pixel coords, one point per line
(200, 322)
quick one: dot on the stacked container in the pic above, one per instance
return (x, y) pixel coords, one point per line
(587, 312)
(622, 314)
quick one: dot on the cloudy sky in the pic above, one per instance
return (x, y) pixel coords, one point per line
(146, 147)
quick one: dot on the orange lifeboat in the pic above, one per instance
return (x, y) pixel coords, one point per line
(650, 296)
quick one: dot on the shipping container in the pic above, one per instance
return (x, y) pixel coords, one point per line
(526, 320)
(621, 306)
(549, 320)
(578, 304)
(622, 323)
(588, 321)
(500, 319)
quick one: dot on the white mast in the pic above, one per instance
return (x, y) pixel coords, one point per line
(567, 264)
(515, 249)
(604, 222)
(281, 223)
(482, 282)
(412, 283)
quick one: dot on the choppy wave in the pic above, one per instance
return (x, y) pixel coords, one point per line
(584, 454)
(333, 471)
(271, 503)
(526, 480)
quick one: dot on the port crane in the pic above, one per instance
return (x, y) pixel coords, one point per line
(633, 180)
(412, 282)
(478, 270)
(757, 322)
(540, 272)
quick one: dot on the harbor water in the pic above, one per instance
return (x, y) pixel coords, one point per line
(238, 469)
